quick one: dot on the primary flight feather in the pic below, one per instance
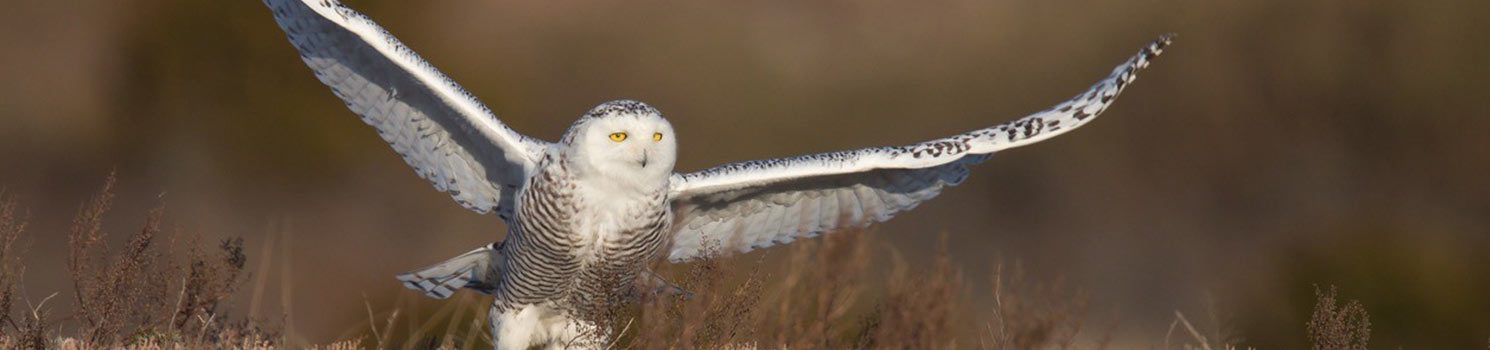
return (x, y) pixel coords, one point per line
(587, 213)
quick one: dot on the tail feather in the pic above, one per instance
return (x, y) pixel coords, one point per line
(476, 270)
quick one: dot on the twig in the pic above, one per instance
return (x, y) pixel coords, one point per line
(455, 313)
(1169, 333)
(1204, 344)
(262, 280)
(475, 330)
(452, 307)
(619, 335)
(372, 322)
(388, 327)
(205, 324)
(177, 310)
(569, 344)
(36, 311)
(998, 308)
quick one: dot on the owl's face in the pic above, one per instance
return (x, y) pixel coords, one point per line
(624, 140)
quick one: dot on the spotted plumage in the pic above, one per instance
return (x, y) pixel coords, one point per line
(587, 214)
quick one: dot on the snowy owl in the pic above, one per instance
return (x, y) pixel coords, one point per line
(586, 214)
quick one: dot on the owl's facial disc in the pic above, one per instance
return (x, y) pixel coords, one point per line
(626, 140)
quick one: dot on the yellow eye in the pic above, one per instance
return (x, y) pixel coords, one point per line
(618, 137)
(657, 137)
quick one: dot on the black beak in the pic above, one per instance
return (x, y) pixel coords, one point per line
(644, 159)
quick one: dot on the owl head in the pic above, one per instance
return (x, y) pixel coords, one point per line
(622, 139)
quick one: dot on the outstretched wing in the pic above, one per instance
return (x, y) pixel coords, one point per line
(744, 206)
(449, 137)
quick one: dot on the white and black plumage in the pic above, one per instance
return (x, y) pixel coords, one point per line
(587, 213)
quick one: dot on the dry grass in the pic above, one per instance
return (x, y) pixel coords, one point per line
(1334, 326)
(113, 289)
(916, 313)
(27, 330)
(831, 295)
(143, 294)
(1032, 315)
(156, 291)
(1197, 341)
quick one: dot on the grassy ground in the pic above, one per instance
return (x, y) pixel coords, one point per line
(164, 290)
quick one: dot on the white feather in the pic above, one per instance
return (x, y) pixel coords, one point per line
(444, 133)
(863, 186)
(596, 192)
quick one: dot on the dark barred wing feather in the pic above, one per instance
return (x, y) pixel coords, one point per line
(744, 206)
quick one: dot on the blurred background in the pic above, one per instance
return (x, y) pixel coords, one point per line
(1277, 145)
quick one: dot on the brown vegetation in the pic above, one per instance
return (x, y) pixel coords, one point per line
(148, 294)
(1336, 326)
(143, 294)
(158, 291)
(27, 329)
(832, 295)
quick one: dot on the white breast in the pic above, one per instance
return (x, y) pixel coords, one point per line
(610, 215)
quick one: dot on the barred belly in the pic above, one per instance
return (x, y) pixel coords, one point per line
(556, 258)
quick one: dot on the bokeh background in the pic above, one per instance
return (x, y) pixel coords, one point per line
(1277, 145)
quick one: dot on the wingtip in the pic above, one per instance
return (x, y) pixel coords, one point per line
(1149, 52)
(1157, 47)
